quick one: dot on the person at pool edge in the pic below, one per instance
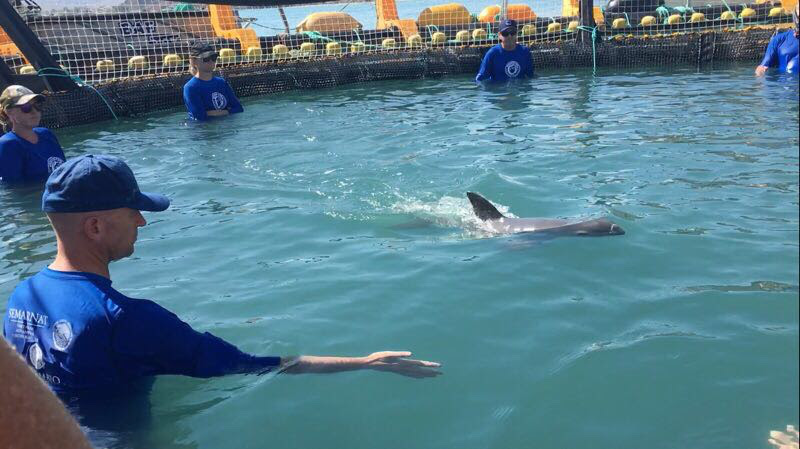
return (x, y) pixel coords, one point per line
(81, 334)
(782, 51)
(506, 60)
(207, 95)
(28, 153)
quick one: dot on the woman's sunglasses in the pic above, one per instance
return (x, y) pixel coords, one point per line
(29, 107)
(507, 33)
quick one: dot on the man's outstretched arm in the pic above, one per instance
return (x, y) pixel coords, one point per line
(390, 361)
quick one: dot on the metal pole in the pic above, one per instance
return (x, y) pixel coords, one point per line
(585, 9)
(504, 10)
(32, 47)
(283, 18)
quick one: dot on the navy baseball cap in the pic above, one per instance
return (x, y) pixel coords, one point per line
(508, 24)
(92, 183)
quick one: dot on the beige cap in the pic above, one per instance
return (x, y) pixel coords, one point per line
(16, 95)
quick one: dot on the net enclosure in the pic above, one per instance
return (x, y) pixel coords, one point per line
(122, 57)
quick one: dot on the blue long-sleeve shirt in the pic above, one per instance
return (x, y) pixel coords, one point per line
(215, 94)
(79, 333)
(501, 65)
(22, 161)
(782, 52)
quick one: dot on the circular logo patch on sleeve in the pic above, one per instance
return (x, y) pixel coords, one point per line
(36, 356)
(62, 335)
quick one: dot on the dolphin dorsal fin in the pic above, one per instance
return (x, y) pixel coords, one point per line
(483, 208)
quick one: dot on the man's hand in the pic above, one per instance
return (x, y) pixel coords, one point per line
(761, 70)
(398, 363)
(217, 112)
(787, 440)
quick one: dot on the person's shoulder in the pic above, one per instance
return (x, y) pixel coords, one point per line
(44, 132)
(219, 80)
(497, 49)
(523, 48)
(137, 308)
(784, 35)
(9, 137)
(193, 81)
(10, 144)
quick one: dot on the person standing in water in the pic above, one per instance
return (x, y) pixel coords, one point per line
(506, 60)
(782, 51)
(207, 95)
(80, 334)
(28, 153)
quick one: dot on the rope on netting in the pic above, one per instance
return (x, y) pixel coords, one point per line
(61, 73)
(594, 48)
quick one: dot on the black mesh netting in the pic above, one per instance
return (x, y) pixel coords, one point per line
(145, 94)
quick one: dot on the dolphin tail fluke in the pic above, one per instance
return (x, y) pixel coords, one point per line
(483, 208)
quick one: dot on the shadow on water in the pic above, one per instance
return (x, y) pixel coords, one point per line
(124, 417)
(112, 419)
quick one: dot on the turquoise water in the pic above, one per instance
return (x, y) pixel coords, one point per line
(334, 222)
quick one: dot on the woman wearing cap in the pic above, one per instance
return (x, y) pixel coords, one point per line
(782, 51)
(207, 95)
(27, 153)
(507, 60)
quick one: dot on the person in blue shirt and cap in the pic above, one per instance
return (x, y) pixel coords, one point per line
(28, 153)
(507, 60)
(81, 334)
(207, 95)
(782, 51)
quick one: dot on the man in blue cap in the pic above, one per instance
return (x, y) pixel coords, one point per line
(507, 60)
(80, 334)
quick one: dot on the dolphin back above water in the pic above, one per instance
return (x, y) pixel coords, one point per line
(506, 225)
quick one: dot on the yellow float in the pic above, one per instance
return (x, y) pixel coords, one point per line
(697, 17)
(227, 55)
(307, 48)
(675, 19)
(479, 34)
(328, 22)
(415, 41)
(138, 63)
(333, 49)
(253, 54)
(280, 51)
(358, 47)
(518, 12)
(747, 13)
(776, 12)
(438, 38)
(648, 21)
(172, 60)
(444, 15)
(105, 65)
(554, 27)
(528, 30)
(573, 26)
